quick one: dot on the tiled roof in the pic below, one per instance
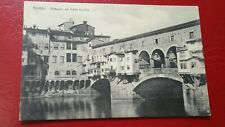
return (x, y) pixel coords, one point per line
(42, 31)
(61, 33)
(79, 25)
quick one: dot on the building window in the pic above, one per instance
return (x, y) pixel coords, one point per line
(74, 46)
(56, 72)
(74, 57)
(68, 57)
(67, 72)
(172, 38)
(193, 64)
(183, 66)
(54, 59)
(98, 65)
(68, 45)
(135, 60)
(46, 59)
(74, 72)
(110, 59)
(142, 43)
(156, 41)
(63, 46)
(56, 46)
(128, 67)
(46, 46)
(122, 67)
(191, 34)
(61, 59)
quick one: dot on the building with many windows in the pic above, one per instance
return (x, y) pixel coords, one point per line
(154, 49)
(74, 51)
(191, 59)
(65, 50)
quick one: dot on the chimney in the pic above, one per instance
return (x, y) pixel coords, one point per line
(84, 22)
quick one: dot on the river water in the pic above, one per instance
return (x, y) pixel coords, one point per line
(81, 106)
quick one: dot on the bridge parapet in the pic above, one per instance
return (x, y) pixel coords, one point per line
(172, 74)
(152, 71)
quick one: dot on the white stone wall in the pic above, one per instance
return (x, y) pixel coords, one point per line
(63, 66)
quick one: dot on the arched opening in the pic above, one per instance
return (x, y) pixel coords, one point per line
(52, 85)
(57, 73)
(61, 85)
(158, 58)
(144, 60)
(88, 83)
(46, 86)
(33, 86)
(74, 72)
(42, 86)
(56, 85)
(101, 88)
(160, 88)
(66, 85)
(70, 85)
(81, 84)
(76, 85)
(172, 57)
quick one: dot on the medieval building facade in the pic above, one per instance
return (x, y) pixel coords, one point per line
(151, 50)
(65, 50)
(75, 52)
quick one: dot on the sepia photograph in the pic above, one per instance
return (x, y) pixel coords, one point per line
(91, 61)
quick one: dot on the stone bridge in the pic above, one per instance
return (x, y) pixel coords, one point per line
(152, 83)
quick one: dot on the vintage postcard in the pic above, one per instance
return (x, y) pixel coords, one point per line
(85, 61)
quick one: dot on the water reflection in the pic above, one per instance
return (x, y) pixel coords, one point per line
(88, 107)
(65, 108)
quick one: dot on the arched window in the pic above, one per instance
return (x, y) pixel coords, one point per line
(56, 72)
(67, 72)
(74, 72)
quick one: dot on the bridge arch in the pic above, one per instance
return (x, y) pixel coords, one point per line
(144, 60)
(158, 58)
(171, 57)
(101, 87)
(160, 86)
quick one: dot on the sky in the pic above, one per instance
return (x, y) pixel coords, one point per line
(115, 20)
